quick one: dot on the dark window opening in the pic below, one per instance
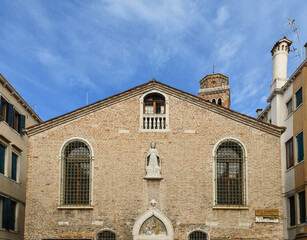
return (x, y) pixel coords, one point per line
(8, 214)
(198, 235)
(302, 206)
(106, 235)
(300, 147)
(14, 166)
(214, 101)
(289, 106)
(2, 158)
(229, 174)
(289, 153)
(76, 174)
(299, 97)
(154, 103)
(292, 210)
(219, 102)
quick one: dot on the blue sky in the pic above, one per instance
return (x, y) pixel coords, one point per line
(54, 52)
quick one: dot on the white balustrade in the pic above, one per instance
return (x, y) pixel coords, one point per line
(154, 121)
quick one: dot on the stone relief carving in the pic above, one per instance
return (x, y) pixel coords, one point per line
(153, 226)
(153, 162)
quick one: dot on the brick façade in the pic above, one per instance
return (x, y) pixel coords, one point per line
(120, 194)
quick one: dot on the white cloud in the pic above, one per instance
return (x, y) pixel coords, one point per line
(221, 16)
(229, 47)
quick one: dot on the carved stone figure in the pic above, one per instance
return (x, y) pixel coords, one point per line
(153, 162)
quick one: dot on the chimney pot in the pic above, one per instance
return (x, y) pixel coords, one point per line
(258, 111)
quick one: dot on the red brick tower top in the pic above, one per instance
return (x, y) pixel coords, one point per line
(215, 88)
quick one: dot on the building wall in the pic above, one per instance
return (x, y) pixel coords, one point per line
(300, 124)
(120, 192)
(17, 143)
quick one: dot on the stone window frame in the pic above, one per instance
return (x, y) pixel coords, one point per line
(244, 206)
(65, 206)
(198, 230)
(166, 112)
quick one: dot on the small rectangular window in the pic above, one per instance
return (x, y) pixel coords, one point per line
(299, 97)
(300, 147)
(289, 153)
(2, 159)
(302, 207)
(289, 107)
(14, 166)
(8, 214)
(3, 108)
(291, 211)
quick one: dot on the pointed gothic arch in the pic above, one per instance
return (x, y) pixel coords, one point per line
(166, 232)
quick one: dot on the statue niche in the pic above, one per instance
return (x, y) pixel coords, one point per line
(153, 163)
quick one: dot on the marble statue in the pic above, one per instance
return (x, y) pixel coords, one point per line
(153, 162)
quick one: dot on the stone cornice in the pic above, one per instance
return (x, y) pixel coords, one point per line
(155, 85)
(212, 90)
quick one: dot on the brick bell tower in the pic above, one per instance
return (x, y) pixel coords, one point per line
(215, 88)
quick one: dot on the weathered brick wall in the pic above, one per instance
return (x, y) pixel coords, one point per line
(121, 195)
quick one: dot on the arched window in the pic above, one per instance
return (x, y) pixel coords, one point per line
(219, 101)
(198, 235)
(154, 103)
(106, 235)
(154, 112)
(230, 173)
(214, 101)
(76, 173)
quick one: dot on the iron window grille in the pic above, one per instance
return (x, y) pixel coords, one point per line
(76, 174)
(106, 235)
(198, 235)
(230, 174)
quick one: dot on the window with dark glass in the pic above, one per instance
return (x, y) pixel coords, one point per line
(289, 153)
(2, 158)
(8, 214)
(213, 101)
(291, 211)
(3, 108)
(230, 174)
(299, 97)
(300, 147)
(198, 235)
(76, 173)
(289, 107)
(154, 103)
(11, 116)
(14, 166)
(106, 235)
(302, 206)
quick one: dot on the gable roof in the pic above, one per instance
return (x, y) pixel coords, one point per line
(146, 87)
